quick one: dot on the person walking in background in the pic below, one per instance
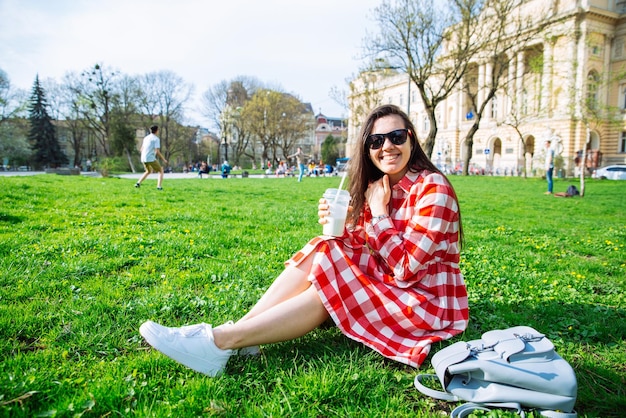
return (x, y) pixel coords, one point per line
(549, 165)
(300, 156)
(150, 150)
(391, 282)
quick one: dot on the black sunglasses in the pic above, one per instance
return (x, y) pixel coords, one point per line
(397, 137)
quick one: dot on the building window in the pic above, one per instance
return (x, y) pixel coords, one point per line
(618, 48)
(494, 107)
(623, 96)
(425, 124)
(595, 50)
(593, 79)
(401, 99)
(622, 142)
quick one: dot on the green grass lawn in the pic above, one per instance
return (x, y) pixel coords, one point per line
(84, 261)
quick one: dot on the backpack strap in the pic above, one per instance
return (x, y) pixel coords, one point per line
(467, 408)
(437, 394)
(554, 414)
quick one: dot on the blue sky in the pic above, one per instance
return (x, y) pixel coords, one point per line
(306, 47)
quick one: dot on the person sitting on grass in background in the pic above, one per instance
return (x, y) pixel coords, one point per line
(281, 171)
(391, 281)
(226, 169)
(204, 169)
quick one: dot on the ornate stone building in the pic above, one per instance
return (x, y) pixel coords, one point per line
(578, 61)
(325, 126)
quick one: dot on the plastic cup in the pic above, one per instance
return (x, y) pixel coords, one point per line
(338, 202)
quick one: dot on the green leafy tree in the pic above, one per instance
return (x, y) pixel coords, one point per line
(279, 120)
(42, 135)
(330, 149)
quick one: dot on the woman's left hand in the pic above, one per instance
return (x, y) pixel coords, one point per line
(378, 194)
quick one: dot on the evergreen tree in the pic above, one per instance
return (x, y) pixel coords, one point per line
(42, 135)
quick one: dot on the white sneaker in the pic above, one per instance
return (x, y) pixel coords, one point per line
(191, 345)
(253, 350)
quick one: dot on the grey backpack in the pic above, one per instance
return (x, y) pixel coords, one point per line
(515, 368)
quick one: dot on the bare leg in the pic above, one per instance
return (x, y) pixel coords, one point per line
(160, 181)
(291, 282)
(285, 321)
(145, 175)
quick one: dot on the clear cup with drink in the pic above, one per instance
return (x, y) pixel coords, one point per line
(338, 202)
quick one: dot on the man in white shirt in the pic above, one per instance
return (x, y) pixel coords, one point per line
(549, 164)
(150, 150)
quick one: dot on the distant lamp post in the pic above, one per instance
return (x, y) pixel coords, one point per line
(225, 148)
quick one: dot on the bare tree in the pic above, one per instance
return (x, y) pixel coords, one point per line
(595, 114)
(163, 97)
(516, 119)
(97, 89)
(509, 32)
(13, 102)
(222, 105)
(235, 93)
(432, 41)
(71, 109)
(365, 94)
(14, 146)
(340, 96)
(125, 118)
(69, 123)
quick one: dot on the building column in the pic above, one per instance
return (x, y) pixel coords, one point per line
(480, 93)
(488, 75)
(606, 84)
(460, 106)
(519, 83)
(511, 86)
(444, 116)
(546, 82)
(580, 74)
(578, 83)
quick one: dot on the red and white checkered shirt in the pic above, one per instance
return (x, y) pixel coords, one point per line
(395, 286)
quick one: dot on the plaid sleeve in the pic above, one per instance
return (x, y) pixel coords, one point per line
(429, 218)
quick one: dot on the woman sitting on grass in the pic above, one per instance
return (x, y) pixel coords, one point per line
(391, 282)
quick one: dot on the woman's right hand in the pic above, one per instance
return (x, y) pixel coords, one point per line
(378, 195)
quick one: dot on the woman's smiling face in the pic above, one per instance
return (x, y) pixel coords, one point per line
(391, 159)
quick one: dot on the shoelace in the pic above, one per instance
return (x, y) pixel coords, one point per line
(192, 330)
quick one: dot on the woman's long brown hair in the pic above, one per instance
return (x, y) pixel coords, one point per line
(362, 170)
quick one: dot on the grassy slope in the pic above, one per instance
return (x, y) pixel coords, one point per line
(83, 261)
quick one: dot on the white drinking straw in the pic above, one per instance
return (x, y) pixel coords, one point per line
(343, 177)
